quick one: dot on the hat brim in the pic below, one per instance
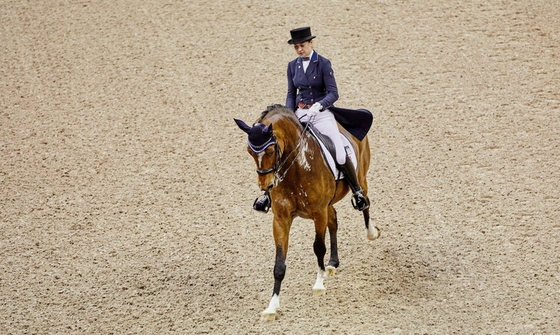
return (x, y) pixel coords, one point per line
(301, 40)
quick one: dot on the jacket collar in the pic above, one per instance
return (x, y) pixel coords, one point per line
(314, 57)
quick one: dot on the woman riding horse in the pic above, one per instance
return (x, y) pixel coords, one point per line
(312, 90)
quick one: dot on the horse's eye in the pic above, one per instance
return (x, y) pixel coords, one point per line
(270, 150)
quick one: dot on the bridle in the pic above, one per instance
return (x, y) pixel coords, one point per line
(279, 164)
(274, 168)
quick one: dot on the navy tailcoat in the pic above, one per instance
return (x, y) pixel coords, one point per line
(317, 84)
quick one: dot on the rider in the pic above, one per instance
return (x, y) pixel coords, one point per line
(311, 91)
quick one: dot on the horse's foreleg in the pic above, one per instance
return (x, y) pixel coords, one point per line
(333, 228)
(269, 314)
(372, 231)
(281, 234)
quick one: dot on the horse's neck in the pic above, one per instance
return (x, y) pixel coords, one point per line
(303, 154)
(297, 138)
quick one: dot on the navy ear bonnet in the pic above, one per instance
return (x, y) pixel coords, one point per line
(260, 137)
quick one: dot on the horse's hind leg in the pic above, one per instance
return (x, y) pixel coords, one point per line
(372, 231)
(320, 250)
(333, 228)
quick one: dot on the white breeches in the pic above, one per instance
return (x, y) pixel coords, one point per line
(326, 125)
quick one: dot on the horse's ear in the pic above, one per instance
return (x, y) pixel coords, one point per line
(267, 130)
(242, 125)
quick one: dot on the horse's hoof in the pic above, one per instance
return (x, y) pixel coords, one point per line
(317, 292)
(331, 270)
(373, 235)
(268, 317)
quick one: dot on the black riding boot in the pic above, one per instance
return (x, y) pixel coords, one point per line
(262, 203)
(359, 201)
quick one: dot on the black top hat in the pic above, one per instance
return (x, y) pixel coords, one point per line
(299, 35)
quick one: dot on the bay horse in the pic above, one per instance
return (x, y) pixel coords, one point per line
(294, 172)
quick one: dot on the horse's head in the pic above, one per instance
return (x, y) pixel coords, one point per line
(267, 146)
(263, 147)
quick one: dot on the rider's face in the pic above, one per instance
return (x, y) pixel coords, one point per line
(304, 49)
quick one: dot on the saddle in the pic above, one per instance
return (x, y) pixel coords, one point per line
(325, 140)
(329, 151)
